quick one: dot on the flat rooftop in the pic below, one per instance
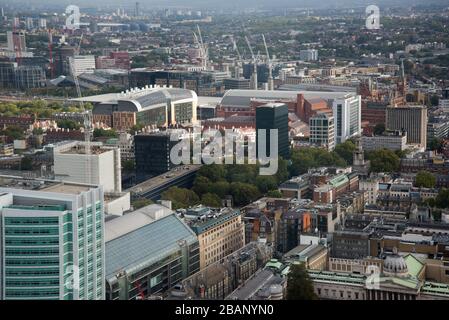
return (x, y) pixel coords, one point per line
(16, 182)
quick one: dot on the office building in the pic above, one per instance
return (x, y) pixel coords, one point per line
(347, 117)
(237, 83)
(391, 140)
(412, 119)
(219, 235)
(8, 74)
(101, 167)
(152, 154)
(147, 252)
(322, 131)
(29, 23)
(16, 41)
(153, 106)
(273, 116)
(28, 77)
(83, 64)
(52, 245)
(308, 55)
(42, 23)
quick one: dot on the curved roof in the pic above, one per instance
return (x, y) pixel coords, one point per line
(242, 98)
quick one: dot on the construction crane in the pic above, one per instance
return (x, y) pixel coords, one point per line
(78, 48)
(87, 119)
(270, 66)
(203, 49)
(254, 80)
(239, 63)
(50, 54)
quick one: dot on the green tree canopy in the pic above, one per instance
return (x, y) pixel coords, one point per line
(346, 150)
(304, 159)
(274, 194)
(140, 203)
(180, 197)
(243, 193)
(266, 183)
(128, 165)
(384, 161)
(425, 179)
(211, 200)
(299, 285)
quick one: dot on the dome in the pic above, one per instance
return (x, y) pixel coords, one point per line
(394, 265)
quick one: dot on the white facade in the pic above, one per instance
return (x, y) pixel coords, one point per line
(84, 64)
(371, 189)
(101, 167)
(390, 142)
(347, 114)
(322, 131)
(308, 55)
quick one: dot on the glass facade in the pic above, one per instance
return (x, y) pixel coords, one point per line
(46, 247)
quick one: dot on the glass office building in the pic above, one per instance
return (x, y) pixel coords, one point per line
(52, 243)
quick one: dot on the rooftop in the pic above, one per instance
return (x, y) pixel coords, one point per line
(134, 250)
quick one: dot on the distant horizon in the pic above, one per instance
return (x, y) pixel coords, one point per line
(218, 4)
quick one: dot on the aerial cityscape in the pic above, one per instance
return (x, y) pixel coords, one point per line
(202, 150)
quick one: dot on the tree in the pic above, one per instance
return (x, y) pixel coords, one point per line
(346, 150)
(425, 179)
(266, 183)
(13, 132)
(435, 144)
(299, 285)
(213, 172)
(274, 194)
(442, 200)
(68, 124)
(220, 188)
(201, 185)
(180, 197)
(244, 193)
(379, 129)
(384, 161)
(105, 133)
(211, 200)
(140, 203)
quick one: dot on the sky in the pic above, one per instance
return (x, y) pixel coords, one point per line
(239, 3)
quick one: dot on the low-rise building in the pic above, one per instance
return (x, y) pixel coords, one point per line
(148, 251)
(219, 235)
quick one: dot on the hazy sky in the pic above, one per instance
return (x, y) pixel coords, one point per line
(234, 3)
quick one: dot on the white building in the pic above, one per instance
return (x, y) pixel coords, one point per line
(371, 189)
(347, 114)
(322, 131)
(308, 55)
(101, 167)
(51, 240)
(395, 140)
(16, 41)
(43, 23)
(84, 64)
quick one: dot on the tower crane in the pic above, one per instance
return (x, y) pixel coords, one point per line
(239, 64)
(254, 79)
(203, 49)
(87, 119)
(50, 54)
(270, 66)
